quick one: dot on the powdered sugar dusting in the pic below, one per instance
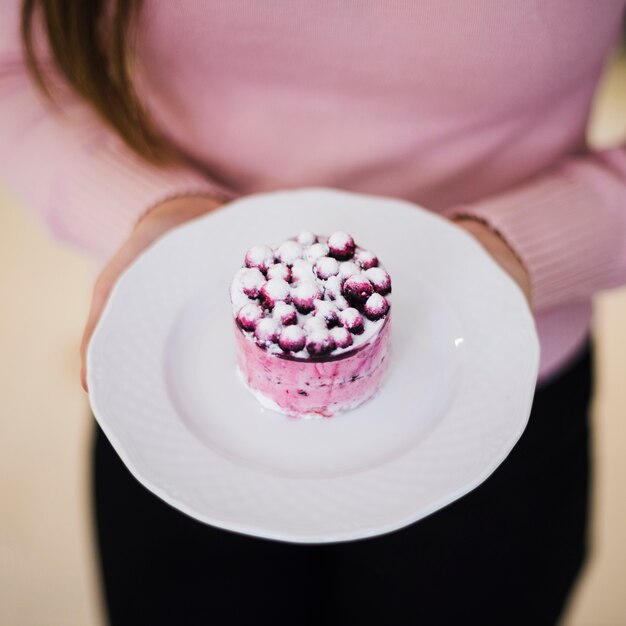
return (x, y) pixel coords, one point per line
(306, 238)
(288, 252)
(302, 270)
(267, 330)
(341, 336)
(311, 296)
(348, 268)
(379, 279)
(326, 267)
(285, 313)
(366, 259)
(259, 256)
(279, 270)
(273, 291)
(252, 280)
(316, 251)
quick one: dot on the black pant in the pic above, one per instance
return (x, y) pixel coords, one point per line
(507, 553)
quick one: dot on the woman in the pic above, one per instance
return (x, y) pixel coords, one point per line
(475, 110)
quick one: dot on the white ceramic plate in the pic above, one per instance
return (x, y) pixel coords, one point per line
(163, 386)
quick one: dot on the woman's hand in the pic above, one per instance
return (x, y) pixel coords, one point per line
(150, 227)
(501, 252)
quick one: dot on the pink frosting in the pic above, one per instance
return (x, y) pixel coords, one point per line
(321, 387)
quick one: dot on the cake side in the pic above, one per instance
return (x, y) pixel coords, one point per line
(315, 388)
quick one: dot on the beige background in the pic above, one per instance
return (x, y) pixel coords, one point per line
(47, 573)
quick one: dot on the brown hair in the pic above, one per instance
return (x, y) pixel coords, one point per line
(89, 44)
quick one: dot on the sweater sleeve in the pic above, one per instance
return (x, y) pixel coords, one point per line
(68, 168)
(568, 227)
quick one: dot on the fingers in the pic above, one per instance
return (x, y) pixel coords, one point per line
(101, 292)
(501, 252)
(160, 219)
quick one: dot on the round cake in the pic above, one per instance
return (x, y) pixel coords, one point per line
(312, 324)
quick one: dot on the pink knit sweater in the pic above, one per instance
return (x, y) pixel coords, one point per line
(476, 106)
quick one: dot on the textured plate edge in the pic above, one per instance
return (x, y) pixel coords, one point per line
(365, 532)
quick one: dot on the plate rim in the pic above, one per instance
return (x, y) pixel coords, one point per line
(250, 529)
